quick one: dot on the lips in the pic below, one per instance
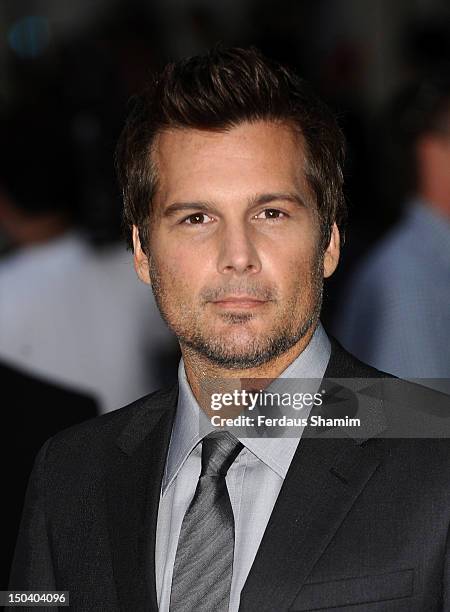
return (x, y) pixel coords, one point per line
(241, 301)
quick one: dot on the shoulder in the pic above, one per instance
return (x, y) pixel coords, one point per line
(343, 364)
(92, 440)
(415, 417)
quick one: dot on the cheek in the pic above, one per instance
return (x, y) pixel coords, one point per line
(303, 281)
(289, 265)
(179, 268)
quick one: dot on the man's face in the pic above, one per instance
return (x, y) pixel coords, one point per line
(234, 257)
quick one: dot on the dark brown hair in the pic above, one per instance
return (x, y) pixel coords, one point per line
(218, 91)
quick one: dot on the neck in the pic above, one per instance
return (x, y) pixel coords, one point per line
(436, 198)
(201, 371)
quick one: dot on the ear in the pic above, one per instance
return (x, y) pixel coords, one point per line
(141, 264)
(331, 256)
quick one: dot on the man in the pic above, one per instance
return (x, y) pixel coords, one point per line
(232, 182)
(395, 313)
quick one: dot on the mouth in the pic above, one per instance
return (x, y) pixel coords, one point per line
(241, 302)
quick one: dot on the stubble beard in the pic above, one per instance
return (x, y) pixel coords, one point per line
(260, 350)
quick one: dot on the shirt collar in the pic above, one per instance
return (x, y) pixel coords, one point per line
(191, 424)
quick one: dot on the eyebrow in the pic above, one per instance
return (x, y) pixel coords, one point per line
(264, 198)
(180, 206)
(267, 198)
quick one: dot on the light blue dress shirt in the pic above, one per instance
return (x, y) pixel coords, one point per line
(395, 314)
(254, 480)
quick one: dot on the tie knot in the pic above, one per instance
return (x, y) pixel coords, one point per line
(219, 450)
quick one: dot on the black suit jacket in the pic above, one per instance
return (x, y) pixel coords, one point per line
(35, 411)
(358, 525)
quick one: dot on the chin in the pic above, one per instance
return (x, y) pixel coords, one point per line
(237, 337)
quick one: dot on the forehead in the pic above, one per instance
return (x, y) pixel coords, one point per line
(246, 159)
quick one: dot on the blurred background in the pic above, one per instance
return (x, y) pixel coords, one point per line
(79, 335)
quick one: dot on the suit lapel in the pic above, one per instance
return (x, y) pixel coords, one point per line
(325, 478)
(319, 490)
(133, 490)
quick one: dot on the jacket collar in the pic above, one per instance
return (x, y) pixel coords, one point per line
(133, 486)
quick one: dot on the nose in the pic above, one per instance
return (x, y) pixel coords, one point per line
(238, 253)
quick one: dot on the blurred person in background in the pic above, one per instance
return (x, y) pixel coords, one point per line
(64, 305)
(395, 313)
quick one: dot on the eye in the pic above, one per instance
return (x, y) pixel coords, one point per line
(197, 219)
(270, 214)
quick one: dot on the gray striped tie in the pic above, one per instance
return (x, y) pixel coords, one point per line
(204, 561)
